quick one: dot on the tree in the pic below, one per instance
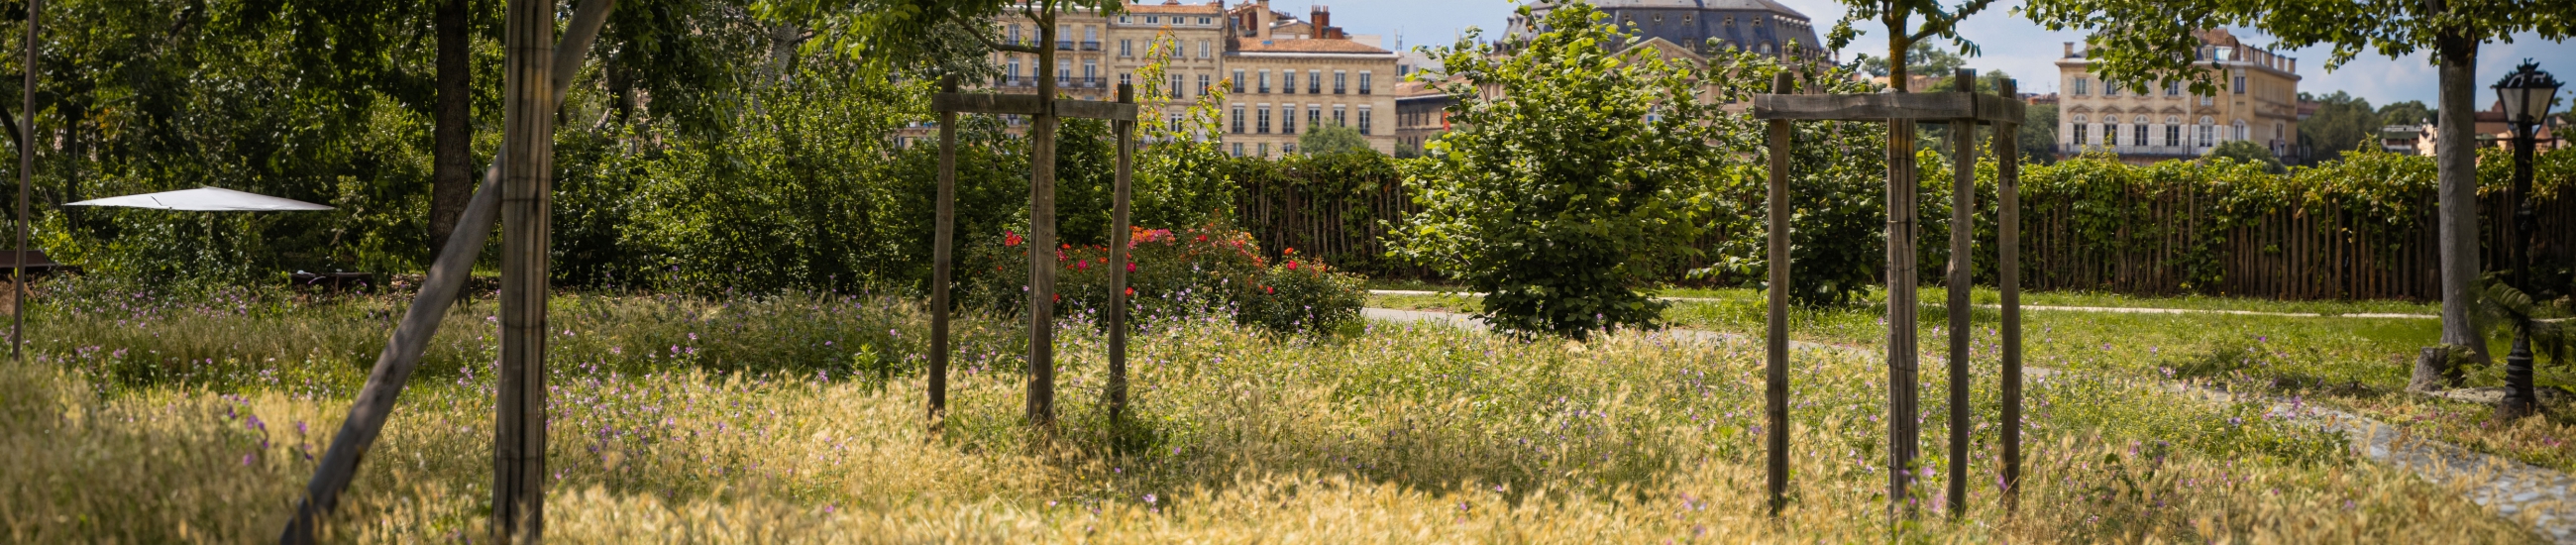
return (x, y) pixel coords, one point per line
(1566, 194)
(2245, 151)
(452, 173)
(2142, 41)
(2342, 122)
(2039, 133)
(1930, 60)
(1331, 139)
(2410, 112)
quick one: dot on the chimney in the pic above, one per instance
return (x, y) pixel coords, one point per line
(2070, 50)
(1321, 17)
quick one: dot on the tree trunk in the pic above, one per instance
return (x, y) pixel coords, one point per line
(451, 180)
(1042, 245)
(2458, 161)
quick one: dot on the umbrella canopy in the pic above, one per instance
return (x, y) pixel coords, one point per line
(209, 199)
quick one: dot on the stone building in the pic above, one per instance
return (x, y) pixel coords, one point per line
(2256, 100)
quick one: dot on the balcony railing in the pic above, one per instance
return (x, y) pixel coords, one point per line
(2134, 151)
(1064, 45)
(1091, 45)
(1015, 82)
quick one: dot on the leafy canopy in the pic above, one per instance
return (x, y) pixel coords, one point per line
(1332, 139)
(2138, 42)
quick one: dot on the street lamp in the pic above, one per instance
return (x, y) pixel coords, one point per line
(2526, 94)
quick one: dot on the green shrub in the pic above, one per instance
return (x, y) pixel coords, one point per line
(1179, 274)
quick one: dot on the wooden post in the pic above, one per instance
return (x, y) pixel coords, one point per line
(1775, 388)
(941, 256)
(1041, 401)
(1963, 218)
(519, 443)
(26, 178)
(1902, 430)
(2008, 281)
(447, 275)
(1118, 241)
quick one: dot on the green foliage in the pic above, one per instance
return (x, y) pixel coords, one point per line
(2138, 42)
(1179, 274)
(1837, 189)
(1180, 175)
(2039, 134)
(1922, 57)
(2245, 151)
(1332, 139)
(2342, 122)
(2412, 112)
(1577, 186)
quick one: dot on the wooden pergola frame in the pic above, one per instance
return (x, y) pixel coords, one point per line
(1963, 111)
(1041, 304)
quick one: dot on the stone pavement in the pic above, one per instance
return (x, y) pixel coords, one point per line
(2514, 489)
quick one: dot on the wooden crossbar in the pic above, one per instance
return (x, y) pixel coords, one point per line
(1884, 106)
(989, 103)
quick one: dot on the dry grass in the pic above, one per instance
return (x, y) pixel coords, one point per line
(1387, 435)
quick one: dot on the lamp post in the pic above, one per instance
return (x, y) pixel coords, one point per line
(2526, 94)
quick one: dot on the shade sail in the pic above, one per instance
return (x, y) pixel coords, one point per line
(209, 199)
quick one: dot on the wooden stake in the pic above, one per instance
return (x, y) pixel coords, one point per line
(447, 276)
(2008, 280)
(1118, 241)
(1042, 245)
(941, 257)
(26, 178)
(519, 443)
(1775, 388)
(1963, 207)
(1902, 430)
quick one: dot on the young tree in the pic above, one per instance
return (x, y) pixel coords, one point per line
(2141, 41)
(1567, 188)
(2246, 151)
(1331, 139)
(2342, 123)
(1922, 56)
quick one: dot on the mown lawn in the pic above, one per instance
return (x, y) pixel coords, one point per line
(181, 418)
(2357, 364)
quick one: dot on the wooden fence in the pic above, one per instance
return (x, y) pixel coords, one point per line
(2286, 254)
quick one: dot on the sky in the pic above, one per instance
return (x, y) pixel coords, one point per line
(2012, 44)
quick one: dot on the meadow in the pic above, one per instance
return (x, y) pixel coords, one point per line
(195, 417)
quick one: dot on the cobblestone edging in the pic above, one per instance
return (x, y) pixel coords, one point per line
(2513, 488)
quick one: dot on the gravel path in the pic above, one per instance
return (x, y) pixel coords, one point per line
(2514, 489)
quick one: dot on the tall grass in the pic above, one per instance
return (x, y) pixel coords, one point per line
(1388, 434)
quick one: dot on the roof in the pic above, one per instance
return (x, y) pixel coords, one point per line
(1410, 89)
(1305, 45)
(1712, 5)
(1172, 6)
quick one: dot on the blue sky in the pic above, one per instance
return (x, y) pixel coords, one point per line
(2011, 44)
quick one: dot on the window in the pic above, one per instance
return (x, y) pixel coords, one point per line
(2207, 126)
(1288, 81)
(2110, 90)
(1314, 115)
(2080, 85)
(2077, 129)
(1265, 149)
(1122, 80)
(2241, 132)
(1364, 120)
(1203, 20)
(1287, 119)
(1152, 19)
(1014, 72)
(2173, 131)
(1063, 72)
(1338, 79)
(1015, 34)
(1238, 81)
(1238, 119)
(1364, 82)
(1337, 115)
(1263, 127)
(1126, 48)
(1203, 48)
(1265, 81)
(2173, 88)
(1287, 148)
(1315, 82)
(1238, 149)
(1090, 69)
(1203, 84)
(2240, 82)
(1091, 34)
(2139, 136)
(2110, 131)
(1175, 124)
(1686, 17)
(1177, 90)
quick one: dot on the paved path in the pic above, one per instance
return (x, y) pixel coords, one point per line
(2510, 486)
(2120, 310)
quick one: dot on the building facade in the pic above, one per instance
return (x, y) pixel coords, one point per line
(1702, 26)
(1281, 75)
(2256, 100)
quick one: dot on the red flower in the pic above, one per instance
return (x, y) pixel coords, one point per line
(1202, 238)
(1266, 289)
(1131, 292)
(1059, 298)
(1065, 247)
(1292, 264)
(1010, 238)
(1131, 266)
(1083, 265)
